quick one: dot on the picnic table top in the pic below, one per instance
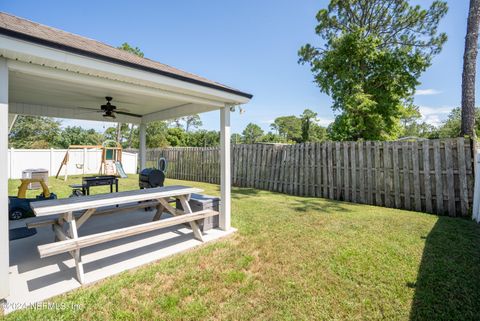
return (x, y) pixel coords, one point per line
(58, 206)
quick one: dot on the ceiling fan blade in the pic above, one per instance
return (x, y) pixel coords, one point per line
(89, 110)
(128, 114)
(109, 111)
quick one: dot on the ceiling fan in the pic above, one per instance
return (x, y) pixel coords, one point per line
(109, 111)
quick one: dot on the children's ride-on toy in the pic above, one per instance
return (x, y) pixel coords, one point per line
(19, 206)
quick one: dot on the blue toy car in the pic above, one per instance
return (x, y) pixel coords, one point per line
(19, 206)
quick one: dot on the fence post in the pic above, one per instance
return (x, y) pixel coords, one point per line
(84, 160)
(51, 170)
(136, 162)
(476, 189)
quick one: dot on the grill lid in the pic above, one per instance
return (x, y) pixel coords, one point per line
(152, 176)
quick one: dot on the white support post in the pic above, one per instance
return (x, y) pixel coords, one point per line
(143, 146)
(476, 189)
(225, 179)
(4, 242)
(12, 163)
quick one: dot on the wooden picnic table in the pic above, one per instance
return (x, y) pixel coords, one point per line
(67, 215)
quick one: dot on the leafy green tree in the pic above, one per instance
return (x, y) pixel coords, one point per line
(122, 136)
(307, 118)
(421, 130)
(161, 134)
(134, 50)
(34, 132)
(373, 53)
(203, 138)
(317, 133)
(76, 135)
(288, 127)
(211, 138)
(157, 132)
(273, 138)
(176, 137)
(192, 121)
(252, 134)
(177, 122)
(188, 122)
(131, 136)
(451, 127)
(298, 129)
(413, 127)
(236, 138)
(110, 133)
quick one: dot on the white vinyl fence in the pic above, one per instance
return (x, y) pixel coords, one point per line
(86, 161)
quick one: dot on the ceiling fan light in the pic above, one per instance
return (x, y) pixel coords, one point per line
(109, 115)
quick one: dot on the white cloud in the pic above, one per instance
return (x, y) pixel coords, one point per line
(427, 92)
(434, 115)
(325, 121)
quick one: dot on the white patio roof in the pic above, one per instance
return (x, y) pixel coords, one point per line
(53, 73)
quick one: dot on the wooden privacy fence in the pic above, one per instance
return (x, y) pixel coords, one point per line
(201, 164)
(434, 176)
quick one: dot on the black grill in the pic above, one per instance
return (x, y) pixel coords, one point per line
(151, 177)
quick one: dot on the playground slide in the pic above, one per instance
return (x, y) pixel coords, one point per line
(120, 170)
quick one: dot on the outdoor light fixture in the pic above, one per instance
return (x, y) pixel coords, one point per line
(240, 109)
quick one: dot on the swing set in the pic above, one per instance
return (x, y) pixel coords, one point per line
(111, 161)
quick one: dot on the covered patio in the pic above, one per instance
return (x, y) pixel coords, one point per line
(49, 72)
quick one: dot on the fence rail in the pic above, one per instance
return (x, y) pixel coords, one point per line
(434, 176)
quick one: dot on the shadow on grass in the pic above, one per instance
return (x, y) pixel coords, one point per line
(239, 193)
(448, 282)
(301, 204)
(321, 205)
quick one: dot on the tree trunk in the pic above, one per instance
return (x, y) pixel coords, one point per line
(469, 70)
(119, 132)
(130, 136)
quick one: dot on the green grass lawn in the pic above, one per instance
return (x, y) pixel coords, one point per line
(297, 258)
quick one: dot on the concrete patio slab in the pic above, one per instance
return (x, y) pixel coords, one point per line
(33, 280)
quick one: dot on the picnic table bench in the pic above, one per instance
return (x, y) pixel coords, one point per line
(67, 215)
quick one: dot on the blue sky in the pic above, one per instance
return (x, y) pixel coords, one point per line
(246, 44)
